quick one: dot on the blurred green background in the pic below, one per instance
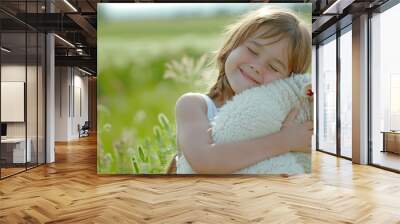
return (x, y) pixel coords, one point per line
(148, 56)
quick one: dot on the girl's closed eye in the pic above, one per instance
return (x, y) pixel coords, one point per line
(252, 51)
(273, 68)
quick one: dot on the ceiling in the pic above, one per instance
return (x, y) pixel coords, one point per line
(332, 15)
(74, 21)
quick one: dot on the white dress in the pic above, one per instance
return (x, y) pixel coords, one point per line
(182, 165)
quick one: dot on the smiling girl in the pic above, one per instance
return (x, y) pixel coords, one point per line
(263, 46)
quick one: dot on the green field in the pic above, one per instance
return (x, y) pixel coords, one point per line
(133, 90)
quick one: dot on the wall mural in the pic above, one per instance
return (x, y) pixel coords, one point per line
(204, 88)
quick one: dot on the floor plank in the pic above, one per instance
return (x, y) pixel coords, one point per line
(387, 159)
(70, 191)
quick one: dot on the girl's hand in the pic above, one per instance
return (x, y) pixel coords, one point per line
(297, 137)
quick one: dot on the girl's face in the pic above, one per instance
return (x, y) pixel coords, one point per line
(256, 62)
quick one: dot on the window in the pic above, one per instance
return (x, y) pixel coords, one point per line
(385, 88)
(314, 86)
(327, 96)
(346, 92)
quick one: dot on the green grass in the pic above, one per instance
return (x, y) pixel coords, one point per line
(133, 92)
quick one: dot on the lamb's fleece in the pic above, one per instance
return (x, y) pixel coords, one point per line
(261, 111)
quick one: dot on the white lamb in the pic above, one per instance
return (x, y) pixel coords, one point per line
(261, 111)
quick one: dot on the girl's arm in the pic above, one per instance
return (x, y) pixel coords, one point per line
(206, 157)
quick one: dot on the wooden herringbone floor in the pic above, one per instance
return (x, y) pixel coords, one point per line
(70, 191)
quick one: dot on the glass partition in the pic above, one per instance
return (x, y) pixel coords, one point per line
(22, 88)
(31, 100)
(14, 154)
(41, 109)
(35, 89)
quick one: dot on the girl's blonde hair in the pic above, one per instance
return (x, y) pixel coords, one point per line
(281, 24)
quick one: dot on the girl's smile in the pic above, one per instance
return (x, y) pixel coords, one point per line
(249, 77)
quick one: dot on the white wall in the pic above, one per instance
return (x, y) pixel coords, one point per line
(70, 83)
(12, 100)
(33, 126)
(14, 73)
(80, 88)
(61, 103)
